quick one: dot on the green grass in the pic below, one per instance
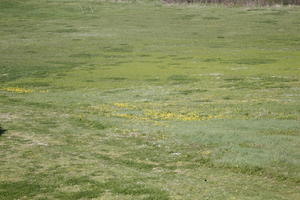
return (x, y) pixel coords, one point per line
(141, 100)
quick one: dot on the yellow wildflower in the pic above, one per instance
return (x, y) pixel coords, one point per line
(124, 105)
(17, 90)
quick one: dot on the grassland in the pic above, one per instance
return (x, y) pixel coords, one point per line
(108, 100)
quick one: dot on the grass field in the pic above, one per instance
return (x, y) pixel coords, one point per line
(142, 100)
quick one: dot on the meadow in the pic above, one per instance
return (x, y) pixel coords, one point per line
(146, 100)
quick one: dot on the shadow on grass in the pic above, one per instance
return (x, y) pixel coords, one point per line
(2, 131)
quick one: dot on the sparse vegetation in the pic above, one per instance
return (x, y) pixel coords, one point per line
(146, 100)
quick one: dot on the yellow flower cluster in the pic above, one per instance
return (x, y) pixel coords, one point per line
(124, 105)
(206, 152)
(17, 90)
(178, 116)
(103, 108)
(149, 114)
(21, 90)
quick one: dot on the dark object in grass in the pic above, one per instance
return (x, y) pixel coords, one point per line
(2, 131)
